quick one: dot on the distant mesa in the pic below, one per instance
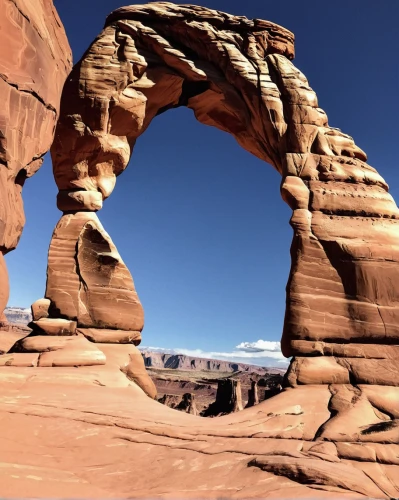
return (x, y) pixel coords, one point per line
(18, 315)
(160, 360)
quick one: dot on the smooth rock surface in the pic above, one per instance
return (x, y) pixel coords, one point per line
(111, 336)
(98, 440)
(19, 359)
(54, 326)
(78, 352)
(40, 309)
(9, 337)
(128, 359)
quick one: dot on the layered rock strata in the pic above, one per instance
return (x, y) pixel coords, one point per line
(334, 428)
(236, 74)
(34, 63)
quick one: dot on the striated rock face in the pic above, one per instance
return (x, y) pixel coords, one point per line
(87, 281)
(35, 60)
(182, 362)
(333, 430)
(18, 315)
(236, 74)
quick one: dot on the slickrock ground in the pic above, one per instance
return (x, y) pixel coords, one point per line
(71, 433)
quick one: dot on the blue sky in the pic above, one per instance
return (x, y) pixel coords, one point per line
(198, 220)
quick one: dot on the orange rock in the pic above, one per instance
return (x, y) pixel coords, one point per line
(111, 336)
(34, 63)
(40, 309)
(54, 326)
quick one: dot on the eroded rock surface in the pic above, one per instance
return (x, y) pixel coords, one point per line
(334, 429)
(228, 399)
(35, 60)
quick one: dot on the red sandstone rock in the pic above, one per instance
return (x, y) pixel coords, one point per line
(40, 309)
(78, 352)
(19, 359)
(34, 63)
(111, 336)
(9, 337)
(128, 359)
(87, 279)
(334, 429)
(56, 326)
(4, 286)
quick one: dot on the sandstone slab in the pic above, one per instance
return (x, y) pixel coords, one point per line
(19, 359)
(54, 326)
(111, 336)
(78, 352)
(128, 359)
(9, 337)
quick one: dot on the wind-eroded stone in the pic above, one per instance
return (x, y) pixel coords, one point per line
(35, 60)
(87, 279)
(40, 309)
(342, 312)
(111, 336)
(54, 326)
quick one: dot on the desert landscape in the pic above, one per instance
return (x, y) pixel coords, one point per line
(85, 413)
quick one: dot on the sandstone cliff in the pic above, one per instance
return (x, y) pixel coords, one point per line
(182, 362)
(35, 60)
(18, 315)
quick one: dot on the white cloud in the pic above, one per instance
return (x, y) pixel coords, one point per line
(261, 352)
(260, 346)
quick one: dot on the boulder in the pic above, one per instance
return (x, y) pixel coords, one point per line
(128, 359)
(40, 309)
(54, 326)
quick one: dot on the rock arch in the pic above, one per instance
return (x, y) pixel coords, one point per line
(334, 427)
(236, 74)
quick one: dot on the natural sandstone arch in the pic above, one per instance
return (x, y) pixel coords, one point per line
(237, 75)
(334, 432)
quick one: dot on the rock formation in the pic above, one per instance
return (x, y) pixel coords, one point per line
(253, 395)
(34, 63)
(161, 360)
(334, 429)
(18, 315)
(185, 403)
(228, 399)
